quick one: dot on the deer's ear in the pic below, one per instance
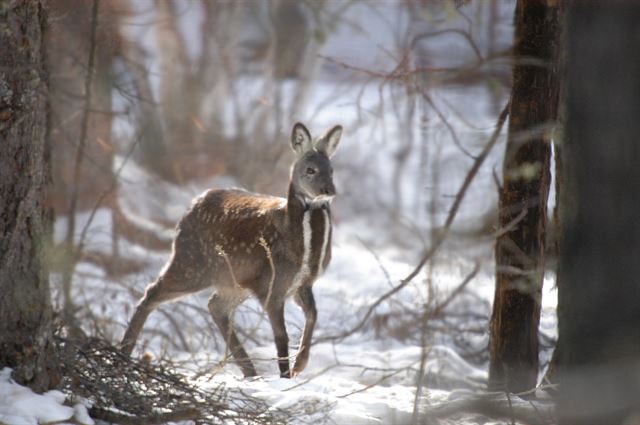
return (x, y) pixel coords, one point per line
(300, 139)
(329, 142)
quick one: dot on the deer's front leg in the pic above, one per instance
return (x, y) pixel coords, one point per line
(304, 298)
(275, 311)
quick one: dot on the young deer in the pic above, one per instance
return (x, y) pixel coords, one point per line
(242, 243)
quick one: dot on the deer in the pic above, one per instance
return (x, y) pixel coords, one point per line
(243, 244)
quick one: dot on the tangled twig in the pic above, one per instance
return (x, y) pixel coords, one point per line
(124, 390)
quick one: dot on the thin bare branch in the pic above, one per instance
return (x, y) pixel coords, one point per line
(377, 382)
(67, 275)
(100, 200)
(438, 309)
(447, 124)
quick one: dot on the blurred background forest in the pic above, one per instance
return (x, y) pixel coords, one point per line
(188, 95)
(189, 91)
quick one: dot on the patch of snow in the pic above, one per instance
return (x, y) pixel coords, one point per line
(19, 405)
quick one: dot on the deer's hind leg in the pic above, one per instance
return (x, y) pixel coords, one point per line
(272, 296)
(171, 284)
(275, 311)
(222, 309)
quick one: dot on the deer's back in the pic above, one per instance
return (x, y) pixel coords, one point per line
(229, 235)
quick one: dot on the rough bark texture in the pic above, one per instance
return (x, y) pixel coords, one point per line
(25, 308)
(599, 301)
(523, 200)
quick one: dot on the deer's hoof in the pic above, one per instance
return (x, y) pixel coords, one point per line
(286, 374)
(249, 372)
(300, 364)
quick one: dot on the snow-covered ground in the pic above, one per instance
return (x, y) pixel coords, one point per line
(21, 406)
(369, 377)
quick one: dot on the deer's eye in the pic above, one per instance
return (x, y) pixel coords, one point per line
(311, 171)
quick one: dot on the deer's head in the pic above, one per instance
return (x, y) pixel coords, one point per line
(312, 174)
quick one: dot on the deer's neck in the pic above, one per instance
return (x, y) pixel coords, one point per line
(297, 206)
(310, 222)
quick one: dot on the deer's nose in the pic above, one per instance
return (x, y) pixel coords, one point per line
(329, 190)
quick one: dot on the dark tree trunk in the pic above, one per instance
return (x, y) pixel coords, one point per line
(523, 199)
(25, 307)
(599, 301)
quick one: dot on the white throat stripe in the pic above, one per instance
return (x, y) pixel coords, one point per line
(303, 272)
(325, 241)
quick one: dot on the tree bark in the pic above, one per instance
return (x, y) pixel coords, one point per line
(599, 301)
(25, 306)
(523, 199)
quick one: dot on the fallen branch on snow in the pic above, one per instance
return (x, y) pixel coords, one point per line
(497, 406)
